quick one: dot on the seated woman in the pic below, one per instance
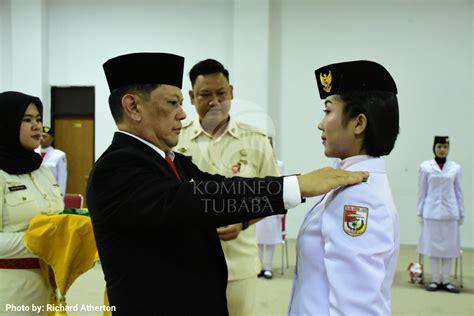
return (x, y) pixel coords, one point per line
(26, 190)
(348, 244)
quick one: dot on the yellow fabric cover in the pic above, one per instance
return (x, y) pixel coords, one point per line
(65, 245)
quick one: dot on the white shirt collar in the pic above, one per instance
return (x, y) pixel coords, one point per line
(346, 163)
(158, 150)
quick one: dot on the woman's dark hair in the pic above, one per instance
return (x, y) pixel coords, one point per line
(115, 98)
(381, 110)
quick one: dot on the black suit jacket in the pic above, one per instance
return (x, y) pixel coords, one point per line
(156, 235)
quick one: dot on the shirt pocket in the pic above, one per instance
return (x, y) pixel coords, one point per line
(18, 199)
(21, 207)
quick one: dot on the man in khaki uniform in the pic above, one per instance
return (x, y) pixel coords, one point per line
(220, 145)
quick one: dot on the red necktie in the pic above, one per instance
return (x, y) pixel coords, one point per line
(42, 155)
(170, 163)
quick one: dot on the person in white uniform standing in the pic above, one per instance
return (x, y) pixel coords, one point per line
(440, 211)
(53, 158)
(348, 244)
(269, 234)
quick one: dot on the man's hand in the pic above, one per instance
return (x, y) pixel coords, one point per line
(324, 180)
(229, 232)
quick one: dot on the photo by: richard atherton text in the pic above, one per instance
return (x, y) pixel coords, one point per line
(12, 308)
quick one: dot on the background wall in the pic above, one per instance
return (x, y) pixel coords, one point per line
(271, 48)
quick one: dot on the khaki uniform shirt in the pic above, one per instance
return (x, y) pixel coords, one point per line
(22, 197)
(244, 151)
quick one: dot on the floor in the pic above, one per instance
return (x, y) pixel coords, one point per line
(273, 295)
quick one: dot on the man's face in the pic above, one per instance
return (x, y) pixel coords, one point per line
(212, 95)
(338, 140)
(161, 116)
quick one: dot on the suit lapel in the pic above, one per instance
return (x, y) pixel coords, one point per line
(124, 140)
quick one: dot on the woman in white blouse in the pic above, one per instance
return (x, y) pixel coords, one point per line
(348, 244)
(440, 211)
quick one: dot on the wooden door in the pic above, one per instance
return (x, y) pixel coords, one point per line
(75, 136)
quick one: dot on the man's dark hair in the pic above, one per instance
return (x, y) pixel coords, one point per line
(206, 67)
(381, 110)
(115, 98)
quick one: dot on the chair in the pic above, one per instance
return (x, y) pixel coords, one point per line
(457, 261)
(284, 245)
(73, 200)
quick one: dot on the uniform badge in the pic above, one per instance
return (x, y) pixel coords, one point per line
(355, 220)
(236, 168)
(17, 188)
(326, 80)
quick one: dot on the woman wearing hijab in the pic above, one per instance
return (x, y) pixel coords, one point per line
(440, 211)
(26, 190)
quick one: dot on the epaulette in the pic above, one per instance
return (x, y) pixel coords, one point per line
(251, 128)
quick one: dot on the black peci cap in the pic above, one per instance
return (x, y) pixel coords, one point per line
(361, 75)
(441, 140)
(144, 68)
(48, 130)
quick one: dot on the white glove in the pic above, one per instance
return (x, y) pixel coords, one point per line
(420, 219)
(461, 221)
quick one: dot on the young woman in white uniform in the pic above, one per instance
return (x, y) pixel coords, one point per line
(26, 189)
(440, 211)
(53, 158)
(348, 244)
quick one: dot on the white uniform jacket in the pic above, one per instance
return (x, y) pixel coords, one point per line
(440, 194)
(347, 248)
(55, 160)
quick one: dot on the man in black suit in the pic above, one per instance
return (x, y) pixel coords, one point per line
(152, 209)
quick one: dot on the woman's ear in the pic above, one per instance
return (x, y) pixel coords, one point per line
(360, 124)
(131, 107)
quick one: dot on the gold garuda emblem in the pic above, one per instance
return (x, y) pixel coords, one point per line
(326, 80)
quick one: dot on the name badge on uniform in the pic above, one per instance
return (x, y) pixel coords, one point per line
(355, 220)
(17, 188)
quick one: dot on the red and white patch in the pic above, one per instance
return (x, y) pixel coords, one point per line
(355, 220)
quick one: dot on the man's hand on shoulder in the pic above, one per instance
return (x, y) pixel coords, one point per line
(326, 179)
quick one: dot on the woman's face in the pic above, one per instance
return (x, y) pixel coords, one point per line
(338, 141)
(31, 128)
(441, 150)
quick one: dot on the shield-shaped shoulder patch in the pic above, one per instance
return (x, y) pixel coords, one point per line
(355, 220)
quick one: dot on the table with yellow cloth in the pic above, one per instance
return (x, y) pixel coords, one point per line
(66, 248)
